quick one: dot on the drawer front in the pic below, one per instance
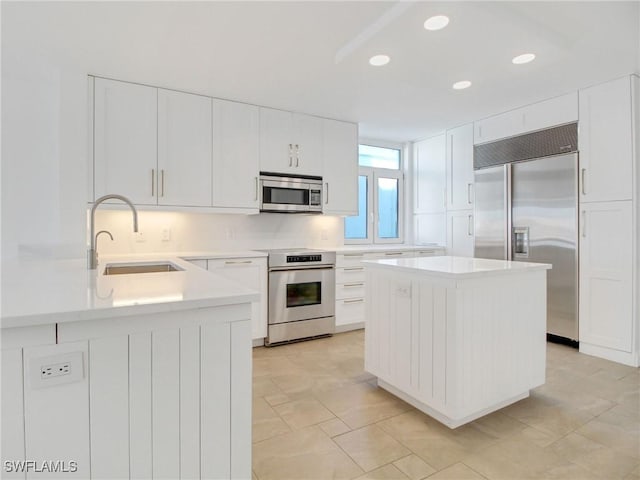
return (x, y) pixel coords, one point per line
(349, 275)
(349, 311)
(349, 259)
(349, 290)
(235, 262)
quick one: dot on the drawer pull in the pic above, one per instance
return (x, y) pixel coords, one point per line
(354, 255)
(353, 285)
(354, 269)
(356, 300)
(236, 262)
(393, 253)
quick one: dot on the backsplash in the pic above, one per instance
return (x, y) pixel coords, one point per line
(187, 232)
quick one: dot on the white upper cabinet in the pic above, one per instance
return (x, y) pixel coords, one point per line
(235, 155)
(537, 116)
(459, 157)
(125, 141)
(605, 141)
(340, 168)
(429, 171)
(290, 143)
(184, 149)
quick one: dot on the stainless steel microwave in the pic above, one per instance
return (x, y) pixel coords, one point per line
(290, 194)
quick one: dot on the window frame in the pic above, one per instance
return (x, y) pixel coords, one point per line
(373, 174)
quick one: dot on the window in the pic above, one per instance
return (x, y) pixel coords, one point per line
(380, 203)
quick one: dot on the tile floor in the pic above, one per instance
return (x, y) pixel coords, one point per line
(318, 415)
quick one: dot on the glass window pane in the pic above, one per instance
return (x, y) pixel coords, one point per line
(387, 207)
(356, 227)
(378, 157)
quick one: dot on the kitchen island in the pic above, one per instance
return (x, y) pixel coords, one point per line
(128, 375)
(456, 337)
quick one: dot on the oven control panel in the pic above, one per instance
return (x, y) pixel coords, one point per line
(303, 258)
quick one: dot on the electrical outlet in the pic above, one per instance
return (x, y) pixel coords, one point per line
(139, 237)
(166, 234)
(56, 369)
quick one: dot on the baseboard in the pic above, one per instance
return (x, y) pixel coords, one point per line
(625, 358)
(349, 327)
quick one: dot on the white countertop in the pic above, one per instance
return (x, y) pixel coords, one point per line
(384, 248)
(455, 267)
(45, 292)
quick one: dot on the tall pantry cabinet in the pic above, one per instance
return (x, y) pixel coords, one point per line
(609, 222)
(443, 190)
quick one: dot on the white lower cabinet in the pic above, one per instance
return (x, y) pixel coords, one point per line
(164, 395)
(606, 280)
(350, 282)
(252, 273)
(460, 233)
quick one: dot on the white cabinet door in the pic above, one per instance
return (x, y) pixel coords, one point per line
(430, 228)
(340, 168)
(307, 140)
(606, 148)
(430, 175)
(606, 278)
(460, 233)
(251, 273)
(235, 155)
(537, 116)
(290, 143)
(125, 140)
(277, 150)
(184, 149)
(460, 167)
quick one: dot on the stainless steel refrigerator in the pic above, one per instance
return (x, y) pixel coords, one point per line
(526, 200)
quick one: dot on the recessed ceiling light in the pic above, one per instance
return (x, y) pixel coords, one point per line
(461, 85)
(524, 58)
(379, 60)
(437, 22)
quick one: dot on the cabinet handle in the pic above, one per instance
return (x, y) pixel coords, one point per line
(353, 285)
(392, 253)
(356, 300)
(297, 155)
(237, 262)
(354, 255)
(291, 155)
(162, 182)
(353, 269)
(326, 198)
(470, 226)
(584, 224)
(582, 175)
(153, 182)
(469, 185)
(256, 195)
(451, 165)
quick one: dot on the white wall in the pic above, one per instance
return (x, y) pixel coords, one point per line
(44, 157)
(196, 232)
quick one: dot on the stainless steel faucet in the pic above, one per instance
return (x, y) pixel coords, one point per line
(92, 254)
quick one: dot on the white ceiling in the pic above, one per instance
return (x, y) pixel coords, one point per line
(312, 57)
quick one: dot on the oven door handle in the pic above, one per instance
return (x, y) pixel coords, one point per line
(302, 267)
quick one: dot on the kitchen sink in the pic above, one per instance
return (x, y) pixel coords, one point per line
(129, 268)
